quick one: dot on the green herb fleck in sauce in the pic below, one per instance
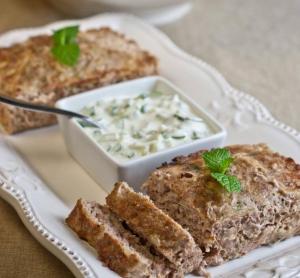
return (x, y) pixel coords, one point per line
(136, 126)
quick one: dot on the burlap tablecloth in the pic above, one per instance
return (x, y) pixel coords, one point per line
(255, 44)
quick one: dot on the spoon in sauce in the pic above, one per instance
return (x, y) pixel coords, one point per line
(48, 109)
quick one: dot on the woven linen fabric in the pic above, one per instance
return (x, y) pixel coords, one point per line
(20, 254)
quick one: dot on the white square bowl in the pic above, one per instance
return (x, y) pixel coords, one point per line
(103, 167)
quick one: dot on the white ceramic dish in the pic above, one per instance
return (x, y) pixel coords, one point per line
(92, 157)
(44, 182)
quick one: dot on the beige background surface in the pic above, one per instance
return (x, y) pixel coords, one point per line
(255, 44)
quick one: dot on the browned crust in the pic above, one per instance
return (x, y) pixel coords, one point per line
(152, 224)
(110, 250)
(81, 222)
(117, 247)
(28, 71)
(228, 225)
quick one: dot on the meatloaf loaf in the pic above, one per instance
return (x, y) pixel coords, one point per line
(228, 225)
(150, 223)
(117, 246)
(29, 72)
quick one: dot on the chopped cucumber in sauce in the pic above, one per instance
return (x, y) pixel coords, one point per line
(137, 126)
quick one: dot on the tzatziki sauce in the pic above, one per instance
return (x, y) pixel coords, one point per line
(132, 127)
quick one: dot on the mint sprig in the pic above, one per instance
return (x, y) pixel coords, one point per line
(218, 162)
(231, 183)
(65, 48)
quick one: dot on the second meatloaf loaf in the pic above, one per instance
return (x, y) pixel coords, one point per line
(228, 225)
(29, 72)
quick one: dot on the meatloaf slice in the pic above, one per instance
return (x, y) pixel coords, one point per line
(228, 225)
(153, 225)
(29, 72)
(117, 247)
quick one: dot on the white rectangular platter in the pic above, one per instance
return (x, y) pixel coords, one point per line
(42, 182)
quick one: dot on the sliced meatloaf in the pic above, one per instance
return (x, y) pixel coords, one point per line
(229, 225)
(152, 224)
(29, 72)
(117, 247)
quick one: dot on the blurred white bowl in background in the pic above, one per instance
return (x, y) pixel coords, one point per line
(157, 12)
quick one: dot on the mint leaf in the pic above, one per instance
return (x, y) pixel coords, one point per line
(67, 54)
(66, 35)
(225, 164)
(217, 160)
(230, 183)
(65, 48)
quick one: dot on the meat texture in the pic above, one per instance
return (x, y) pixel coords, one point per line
(150, 223)
(117, 247)
(228, 225)
(29, 72)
